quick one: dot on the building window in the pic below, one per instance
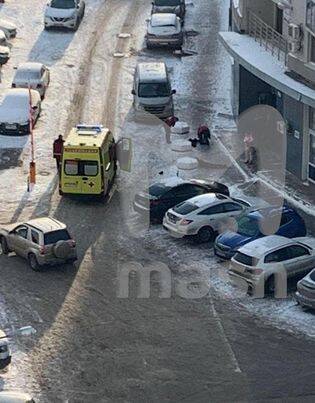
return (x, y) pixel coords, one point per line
(310, 15)
(311, 171)
(312, 49)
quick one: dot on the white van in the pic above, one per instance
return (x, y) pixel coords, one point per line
(152, 90)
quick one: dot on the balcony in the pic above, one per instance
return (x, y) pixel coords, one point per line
(268, 37)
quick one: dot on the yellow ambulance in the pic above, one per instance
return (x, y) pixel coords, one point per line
(89, 161)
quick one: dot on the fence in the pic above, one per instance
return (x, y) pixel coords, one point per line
(268, 37)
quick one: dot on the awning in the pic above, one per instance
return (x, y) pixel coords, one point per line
(264, 65)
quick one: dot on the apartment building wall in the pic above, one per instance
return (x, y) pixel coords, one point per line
(301, 62)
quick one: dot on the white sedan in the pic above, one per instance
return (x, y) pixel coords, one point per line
(17, 109)
(265, 264)
(202, 217)
(164, 30)
(33, 75)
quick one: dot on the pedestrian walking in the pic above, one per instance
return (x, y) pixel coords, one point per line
(170, 122)
(250, 153)
(58, 149)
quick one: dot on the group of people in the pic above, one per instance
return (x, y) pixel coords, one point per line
(203, 133)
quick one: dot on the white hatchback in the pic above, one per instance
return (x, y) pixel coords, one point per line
(204, 216)
(64, 14)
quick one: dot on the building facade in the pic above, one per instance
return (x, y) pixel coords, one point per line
(272, 44)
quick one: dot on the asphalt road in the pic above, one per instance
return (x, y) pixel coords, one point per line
(93, 346)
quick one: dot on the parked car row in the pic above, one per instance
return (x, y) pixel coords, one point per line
(20, 106)
(264, 244)
(7, 31)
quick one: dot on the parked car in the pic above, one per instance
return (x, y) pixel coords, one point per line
(64, 14)
(177, 7)
(8, 28)
(162, 196)
(15, 397)
(202, 217)
(42, 241)
(15, 111)
(164, 29)
(33, 75)
(5, 51)
(305, 294)
(5, 351)
(258, 262)
(251, 227)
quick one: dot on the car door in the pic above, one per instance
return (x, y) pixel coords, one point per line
(300, 260)
(211, 216)
(19, 240)
(277, 260)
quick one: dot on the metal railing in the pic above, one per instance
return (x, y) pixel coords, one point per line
(268, 37)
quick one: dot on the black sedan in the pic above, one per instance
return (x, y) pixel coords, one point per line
(165, 195)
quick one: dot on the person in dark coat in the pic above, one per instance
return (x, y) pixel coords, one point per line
(170, 122)
(204, 135)
(58, 150)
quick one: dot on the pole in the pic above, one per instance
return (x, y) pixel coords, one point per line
(32, 174)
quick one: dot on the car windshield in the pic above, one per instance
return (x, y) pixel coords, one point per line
(158, 189)
(161, 23)
(185, 208)
(16, 102)
(64, 4)
(247, 226)
(153, 90)
(55, 236)
(167, 3)
(245, 259)
(27, 75)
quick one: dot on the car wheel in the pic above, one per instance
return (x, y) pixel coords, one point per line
(32, 260)
(205, 234)
(270, 286)
(4, 250)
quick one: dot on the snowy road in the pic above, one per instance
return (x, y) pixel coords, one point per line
(91, 345)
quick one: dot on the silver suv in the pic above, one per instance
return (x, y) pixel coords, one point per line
(42, 241)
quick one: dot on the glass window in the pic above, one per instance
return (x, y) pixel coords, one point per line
(312, 49)
(298, 251)
(90, 168)
(279, 255)
(153, 90)
(158, 189)
(71, 167)
(55, 236)
(63, 4)
(310, 14)
(247, 226)
(185, 208)
(218, 209)
(22, 232)
(245, 259)
(229, 207)
(169, 3)
(35, 236)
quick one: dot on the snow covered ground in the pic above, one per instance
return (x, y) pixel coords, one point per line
(67, 55)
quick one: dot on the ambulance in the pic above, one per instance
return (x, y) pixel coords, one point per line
(89, 161)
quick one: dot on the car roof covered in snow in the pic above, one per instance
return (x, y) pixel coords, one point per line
(208, 199)
(30, 66)
(150, 72)
(163, 19)
(46, 224)
(261, 246)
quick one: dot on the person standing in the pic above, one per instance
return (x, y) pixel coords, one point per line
(204, 135)
(58, 149)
